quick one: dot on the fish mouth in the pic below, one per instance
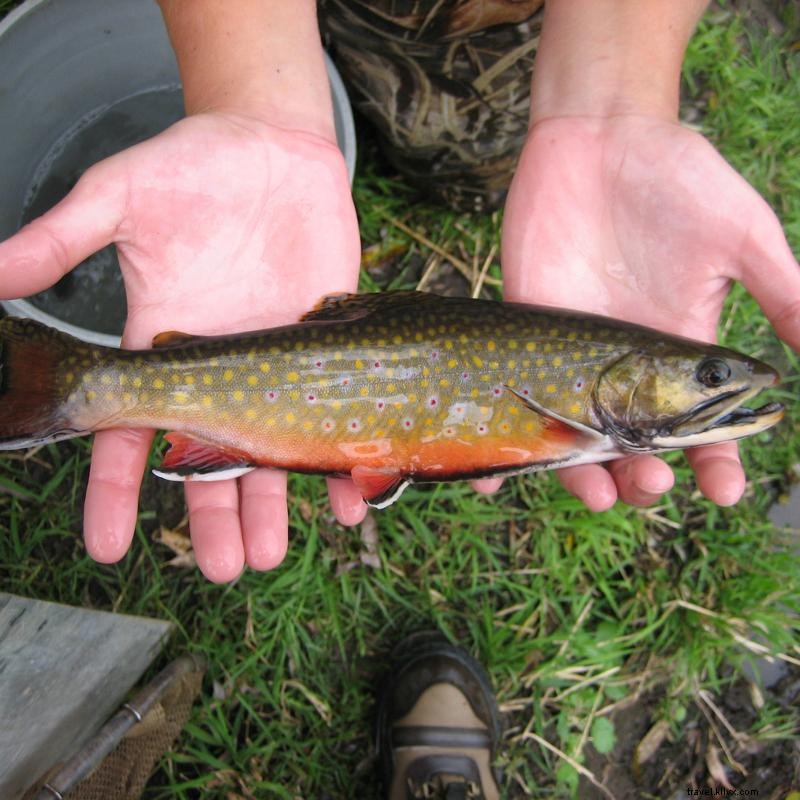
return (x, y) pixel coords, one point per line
(720, 419)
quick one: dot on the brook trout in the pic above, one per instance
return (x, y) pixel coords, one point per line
(389, 389)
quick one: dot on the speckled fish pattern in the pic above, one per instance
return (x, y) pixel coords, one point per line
(384, 388)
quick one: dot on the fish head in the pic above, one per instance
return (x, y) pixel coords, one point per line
(681, 394)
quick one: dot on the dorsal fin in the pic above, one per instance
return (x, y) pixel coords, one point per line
(355, 306)
(173, 338)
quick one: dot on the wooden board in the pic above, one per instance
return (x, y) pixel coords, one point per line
(63, 672)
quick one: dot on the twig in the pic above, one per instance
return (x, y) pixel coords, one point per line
(579, 768)
(482, 276)
(460, 265)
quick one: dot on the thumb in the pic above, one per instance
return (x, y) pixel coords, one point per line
(47, 248)
(771, 274)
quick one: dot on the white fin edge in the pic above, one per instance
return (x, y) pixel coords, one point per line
(387, 501)
(220, 475)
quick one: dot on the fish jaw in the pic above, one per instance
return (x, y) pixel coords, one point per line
(723, 419)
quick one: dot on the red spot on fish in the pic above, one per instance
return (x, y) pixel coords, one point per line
(407, 423)
(311, 398)
(432, 401)
(497, 391)
(434, 355)
(465, 376)
(380, 405)
(271, 396)
(377, 365)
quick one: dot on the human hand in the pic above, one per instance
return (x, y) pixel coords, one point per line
(222, 223)
(638, 218)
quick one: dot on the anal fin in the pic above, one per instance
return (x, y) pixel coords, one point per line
(379, 486)
(191, 459)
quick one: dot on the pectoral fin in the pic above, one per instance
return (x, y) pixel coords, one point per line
(530, 403)
(190, 459)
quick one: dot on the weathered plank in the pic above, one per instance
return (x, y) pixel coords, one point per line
(63, 671)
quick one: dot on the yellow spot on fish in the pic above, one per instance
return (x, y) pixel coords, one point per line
(548, 348)
(127, 397)
(391, 388)
(412, 398)
(252, 380)
(290, 418)
(557, 362)
(158, 383)
(105, 379)
(294, 394)
(477, 361)
(251, 413)
(292, 377)
(69, 377)
(541, 374)
(592, 352)
(238, 395)
(486, 378)
(308, 425)
(539, 362)
(227, 375)
(180, 397)
(397, 339)
(514, 410)
(572, 336)
(444, 382)
(463, 338)
(359, 364)
(530, 346)
(207, 401)
(452, 363)
(528, 427)
(336, 405)
(575, 408)
(137, 382)
(577, 355)
(189, 380)
(213, 361)
(264, 366)
(123, 378)
(551, 388)
(364, 391)
(490, 346)
(474, 393)
(512, 364)
(511, 382)
(424, 384)
(109, 396)
(371, 419)
(512, 344)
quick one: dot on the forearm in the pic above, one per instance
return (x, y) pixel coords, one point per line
(261, 58)
(608, 57)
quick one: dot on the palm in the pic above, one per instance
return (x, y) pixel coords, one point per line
(221, 225)
(641, 219)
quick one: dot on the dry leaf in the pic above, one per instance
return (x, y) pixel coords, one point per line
(651, 741)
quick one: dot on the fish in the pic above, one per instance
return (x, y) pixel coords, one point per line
(389, 389)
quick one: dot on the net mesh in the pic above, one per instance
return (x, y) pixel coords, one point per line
(125, 771)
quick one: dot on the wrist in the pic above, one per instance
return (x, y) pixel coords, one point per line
(604, 58)
(253, 59)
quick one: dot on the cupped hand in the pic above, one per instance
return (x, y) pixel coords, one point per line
(222, 223)
(641, 219)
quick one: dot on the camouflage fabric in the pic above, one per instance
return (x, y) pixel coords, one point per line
(447, 82)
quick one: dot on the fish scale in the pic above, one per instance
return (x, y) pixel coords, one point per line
(384, 388)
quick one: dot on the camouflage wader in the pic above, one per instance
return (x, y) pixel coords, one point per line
(447, 83)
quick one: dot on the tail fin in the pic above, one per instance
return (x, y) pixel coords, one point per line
(33, 363)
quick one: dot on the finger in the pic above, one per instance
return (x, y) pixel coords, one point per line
(771, 274)
(215, 528)
(264, 518)
(346, 501)
(591, 484)
(112, 494)
(47, 248)
(487, 485)
(719, 472)
(641, 480)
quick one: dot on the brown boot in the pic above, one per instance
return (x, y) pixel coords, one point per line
(438, 724)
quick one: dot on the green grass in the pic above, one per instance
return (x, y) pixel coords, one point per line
(570, 612)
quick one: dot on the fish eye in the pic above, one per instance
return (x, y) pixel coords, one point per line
(713, 372)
